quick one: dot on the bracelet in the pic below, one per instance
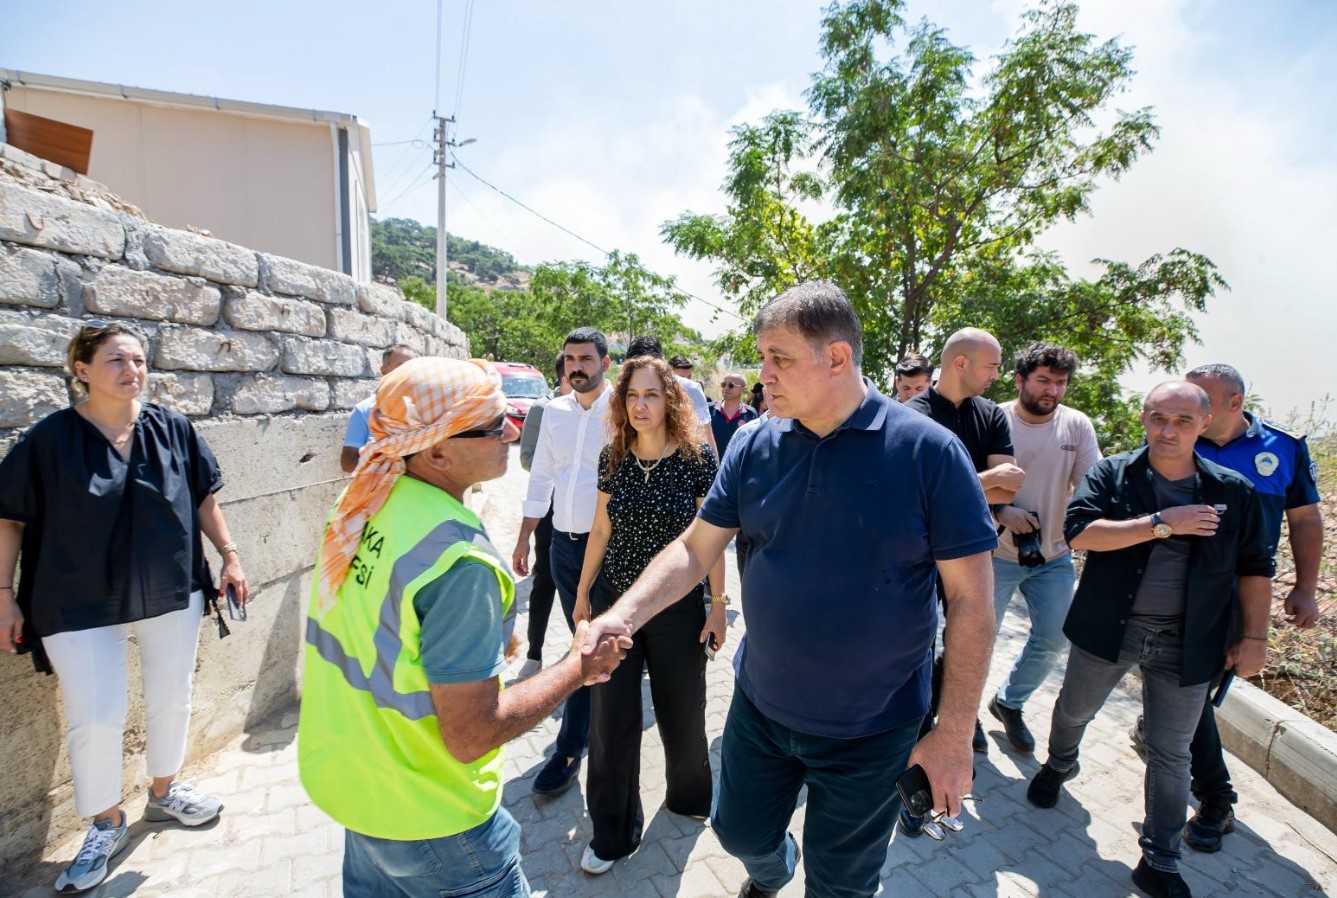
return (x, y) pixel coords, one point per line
(721, 599)
(230, 547)
(1258, 638)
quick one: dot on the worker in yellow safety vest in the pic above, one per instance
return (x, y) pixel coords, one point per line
(403, 714)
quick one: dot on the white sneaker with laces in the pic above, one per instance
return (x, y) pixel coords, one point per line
(182, 803)
(89, 867)
(592, 864)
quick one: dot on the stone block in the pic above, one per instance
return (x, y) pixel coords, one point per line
(28, 396)
(352, 326)
(185, 253)
(257, 312)
(194, 349)
(1303, 767)
(310, 281)
(263, 394)
(421, 319)
(29, 278)
(38, 340)
(323, 358)
(142, 294)
(189, 394)
(345, 394)
(411, 337)
(34, 218)
(381, 300)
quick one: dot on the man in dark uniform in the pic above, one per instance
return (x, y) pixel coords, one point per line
(1278, 465)
(970, 361)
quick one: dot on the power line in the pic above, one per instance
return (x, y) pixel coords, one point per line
(395, 171)
(467, 30)
(414, 185)
(583, 240)
(436, 103)
(455, 183)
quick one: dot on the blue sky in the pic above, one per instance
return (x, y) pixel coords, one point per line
(613, 117)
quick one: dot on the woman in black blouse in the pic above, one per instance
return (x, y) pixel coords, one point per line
(653, 476)
(105, 502)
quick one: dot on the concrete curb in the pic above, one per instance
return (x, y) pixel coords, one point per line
(1293, 753)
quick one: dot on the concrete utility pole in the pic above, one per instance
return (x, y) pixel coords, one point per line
(439, 158)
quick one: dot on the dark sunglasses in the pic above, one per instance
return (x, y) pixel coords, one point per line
(496, 431)
(95, 324)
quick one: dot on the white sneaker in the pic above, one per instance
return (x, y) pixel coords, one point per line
(89, 867)
(183, 803)
(528, 669)
(592, 864)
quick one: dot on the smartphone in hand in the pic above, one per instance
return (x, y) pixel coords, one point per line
(915, 790)
(235, 609)
(711, 647)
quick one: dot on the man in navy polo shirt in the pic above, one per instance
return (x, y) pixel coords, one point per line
(1279, 467)
(854, 507)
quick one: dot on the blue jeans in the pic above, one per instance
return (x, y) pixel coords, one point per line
(1170, 712)
(483, 862)
(567, 555)
(852, 801)
(1047, 590)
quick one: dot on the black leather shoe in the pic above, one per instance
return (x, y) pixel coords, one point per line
(1017, 732)
(981, 742)
(556, 776)
(1043, 790)
(1158, 883)
(1204, 830)
(750, 890)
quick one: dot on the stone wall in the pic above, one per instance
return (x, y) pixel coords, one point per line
(266, 355)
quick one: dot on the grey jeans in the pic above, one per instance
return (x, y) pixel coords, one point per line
(1171, 713)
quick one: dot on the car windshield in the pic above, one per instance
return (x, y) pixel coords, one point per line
(524, 386)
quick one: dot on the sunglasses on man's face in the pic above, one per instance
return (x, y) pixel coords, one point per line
(496, 430)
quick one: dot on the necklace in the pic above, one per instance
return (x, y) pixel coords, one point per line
(647, 471)
(117, 438)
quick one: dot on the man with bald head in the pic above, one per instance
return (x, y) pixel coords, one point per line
(1167, 533)
(970, 361)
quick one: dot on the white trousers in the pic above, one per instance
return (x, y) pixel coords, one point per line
(91, 666)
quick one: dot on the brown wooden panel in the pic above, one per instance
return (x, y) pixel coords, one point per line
(58, 142)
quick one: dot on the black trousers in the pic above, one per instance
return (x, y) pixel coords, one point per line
(1207, 761)
(669, 645)
(542, 588)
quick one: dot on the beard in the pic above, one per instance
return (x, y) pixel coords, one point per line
(1036, 405)
(581, 383)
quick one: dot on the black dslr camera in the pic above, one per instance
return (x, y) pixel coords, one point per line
(1028, 548)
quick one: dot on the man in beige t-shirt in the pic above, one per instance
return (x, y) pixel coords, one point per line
(1055, 446)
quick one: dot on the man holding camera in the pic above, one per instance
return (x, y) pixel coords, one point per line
(1055, 445)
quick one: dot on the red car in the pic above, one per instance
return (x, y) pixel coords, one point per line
(522, 384)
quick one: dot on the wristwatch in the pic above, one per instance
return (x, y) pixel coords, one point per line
(1159, 528)
(721, 599)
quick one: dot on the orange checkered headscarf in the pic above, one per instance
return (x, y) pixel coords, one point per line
(419, 404)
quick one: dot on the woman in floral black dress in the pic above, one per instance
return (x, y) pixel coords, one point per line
(653, 475)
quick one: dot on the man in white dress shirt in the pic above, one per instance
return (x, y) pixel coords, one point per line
(565, 473)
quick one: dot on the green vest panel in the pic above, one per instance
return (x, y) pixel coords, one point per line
(369, 749)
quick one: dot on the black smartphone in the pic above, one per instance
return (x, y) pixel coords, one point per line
(711, 647)
(235, 609)
(916, 792)
(1223, 687)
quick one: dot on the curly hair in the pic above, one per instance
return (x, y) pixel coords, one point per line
(678, 416)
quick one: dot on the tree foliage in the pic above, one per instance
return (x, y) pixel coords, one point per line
(941, 183)
(402, 248)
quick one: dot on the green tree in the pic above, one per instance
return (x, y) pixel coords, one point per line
(941, 183)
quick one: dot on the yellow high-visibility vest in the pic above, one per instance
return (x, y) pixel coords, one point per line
(369, 748)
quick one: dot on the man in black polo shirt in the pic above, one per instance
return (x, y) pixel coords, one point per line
(970, 361)
(1166, 533)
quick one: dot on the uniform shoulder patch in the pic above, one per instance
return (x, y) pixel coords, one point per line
(1285, 431)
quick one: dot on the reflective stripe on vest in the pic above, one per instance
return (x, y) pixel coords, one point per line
(381, 683)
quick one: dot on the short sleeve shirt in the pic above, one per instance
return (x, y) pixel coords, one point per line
(700, 405)
(108, 541)
(358, 433)
(463, 636)
(840, 589)
(1275, 462)
(649, 510)
(978, 422)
